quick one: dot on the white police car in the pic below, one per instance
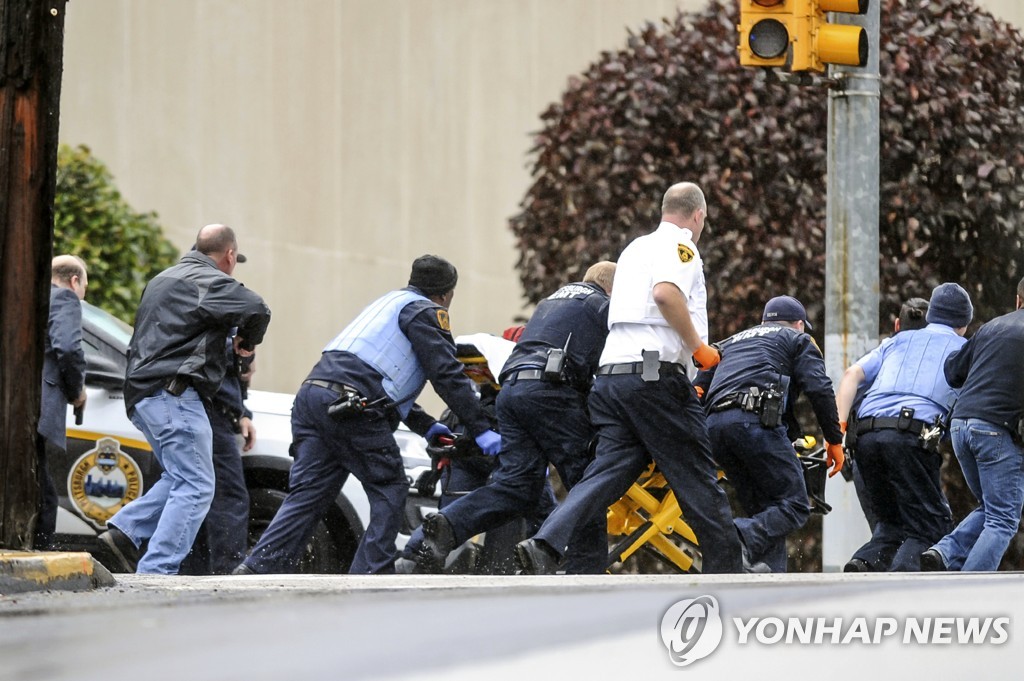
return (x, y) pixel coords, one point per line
(109, 462)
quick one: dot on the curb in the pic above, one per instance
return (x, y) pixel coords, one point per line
(22, 571)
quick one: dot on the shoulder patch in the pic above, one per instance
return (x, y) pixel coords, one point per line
(685, 253)
(815, 344)
(443, 321)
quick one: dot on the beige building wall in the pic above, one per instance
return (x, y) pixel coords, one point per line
(341, 138)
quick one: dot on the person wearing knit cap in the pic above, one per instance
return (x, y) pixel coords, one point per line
(896, 429)
(346, 411)
(987, 428)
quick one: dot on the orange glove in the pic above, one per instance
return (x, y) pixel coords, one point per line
(835, 458)
(700, 391)
(706, 357)
(842, 426)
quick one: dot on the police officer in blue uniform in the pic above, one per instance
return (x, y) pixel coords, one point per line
(897, 429)
(749, 398)
(643, 404)
(543, 419)
(346, 411)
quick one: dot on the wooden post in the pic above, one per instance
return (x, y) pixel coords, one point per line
(31, 59)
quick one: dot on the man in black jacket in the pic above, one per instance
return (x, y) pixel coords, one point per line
(176, 360)
(986, 431)
(63, 380)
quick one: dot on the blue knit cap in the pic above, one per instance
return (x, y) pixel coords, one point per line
(950, 305)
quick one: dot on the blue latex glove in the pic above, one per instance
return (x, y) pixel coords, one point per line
(490, 442)
(437, 430)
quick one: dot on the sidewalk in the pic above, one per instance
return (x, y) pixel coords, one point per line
(22, 571)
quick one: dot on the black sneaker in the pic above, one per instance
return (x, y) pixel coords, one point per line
(243, 569)
(931, 561)
(536, 558)
(438, 542)
(857, 565)
(122, 554)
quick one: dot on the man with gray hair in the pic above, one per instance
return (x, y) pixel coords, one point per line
(643, 404)
(63, 381)
(176, 360)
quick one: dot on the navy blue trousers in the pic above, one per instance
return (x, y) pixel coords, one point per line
(636, 422)
(764, 470)
(224, 535)
(903, 485)
(326, 451)
(540, 423)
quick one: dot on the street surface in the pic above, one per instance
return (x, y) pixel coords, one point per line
(482, 628)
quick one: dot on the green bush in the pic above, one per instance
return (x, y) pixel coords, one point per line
(122, 248)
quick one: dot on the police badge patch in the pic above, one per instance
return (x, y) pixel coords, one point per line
(442, 320)
(103, 480)
(685, 253)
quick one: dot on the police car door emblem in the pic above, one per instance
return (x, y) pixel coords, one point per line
(442, 320)
(103, 480)
(685, 253)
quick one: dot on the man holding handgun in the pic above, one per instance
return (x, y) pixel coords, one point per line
(749, 399)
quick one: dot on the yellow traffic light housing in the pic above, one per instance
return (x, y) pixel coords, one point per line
(795, 33)
(817, 42)
(765, 32)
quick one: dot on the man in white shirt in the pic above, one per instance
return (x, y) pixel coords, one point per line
(643, 404)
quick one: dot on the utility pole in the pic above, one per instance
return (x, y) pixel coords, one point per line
(31, 60)
(851, 256)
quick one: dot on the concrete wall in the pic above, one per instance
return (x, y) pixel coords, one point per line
(340, 138)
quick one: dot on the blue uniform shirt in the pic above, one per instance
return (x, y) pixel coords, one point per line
(574, 318)
(759, 357)
(906, 371)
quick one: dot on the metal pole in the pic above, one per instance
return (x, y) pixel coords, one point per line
(851, 256)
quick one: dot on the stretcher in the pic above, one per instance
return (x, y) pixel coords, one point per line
(648, 516)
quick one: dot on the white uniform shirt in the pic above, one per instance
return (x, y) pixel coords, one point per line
(636, 324)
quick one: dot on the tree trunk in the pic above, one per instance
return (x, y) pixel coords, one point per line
(31, 58)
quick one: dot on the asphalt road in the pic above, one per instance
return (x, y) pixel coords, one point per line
(452, 628)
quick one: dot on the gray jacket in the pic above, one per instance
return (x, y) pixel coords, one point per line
(63, 364)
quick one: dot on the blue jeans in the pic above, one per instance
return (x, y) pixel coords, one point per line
(170, 513)
(993, 466)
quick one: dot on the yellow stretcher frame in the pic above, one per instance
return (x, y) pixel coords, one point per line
(648, 515)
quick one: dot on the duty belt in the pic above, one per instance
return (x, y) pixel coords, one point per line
(526, 375)
(914, 426)
(638, 368)
(329, 385)
(744, 401)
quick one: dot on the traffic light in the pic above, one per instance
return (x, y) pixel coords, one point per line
(817, 42)
(765, 30)
(795, 33)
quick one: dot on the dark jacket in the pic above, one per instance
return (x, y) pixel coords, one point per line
(760, 357)
(63, 364)
(575, 319)
(990, 372)
(186, 313)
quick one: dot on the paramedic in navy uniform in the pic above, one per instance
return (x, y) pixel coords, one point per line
(543, 419)
(659, 309)
(386, 355)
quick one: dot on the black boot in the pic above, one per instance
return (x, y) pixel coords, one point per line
(438, 542)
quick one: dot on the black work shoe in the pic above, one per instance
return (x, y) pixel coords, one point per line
(536, 558)
(931, 561)
(122, 554)
(243, 569)
(857, 565)
(438, 542)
